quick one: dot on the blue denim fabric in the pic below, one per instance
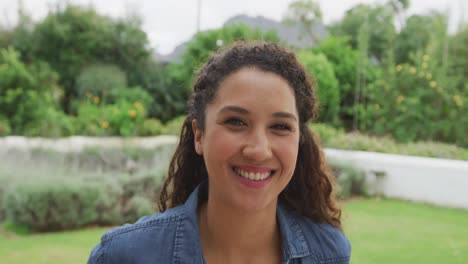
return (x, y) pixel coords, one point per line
(173, 237)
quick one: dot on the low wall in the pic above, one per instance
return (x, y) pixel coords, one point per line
(429, 180)
(78, 143)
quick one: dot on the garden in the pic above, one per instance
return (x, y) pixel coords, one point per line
(381, 87)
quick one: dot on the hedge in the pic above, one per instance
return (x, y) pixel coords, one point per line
(61, 203)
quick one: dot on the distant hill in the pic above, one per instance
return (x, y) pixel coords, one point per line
(292, 35)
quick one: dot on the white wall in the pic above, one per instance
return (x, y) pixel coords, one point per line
(436, 181)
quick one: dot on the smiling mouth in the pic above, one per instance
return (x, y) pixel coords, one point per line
(253, 176)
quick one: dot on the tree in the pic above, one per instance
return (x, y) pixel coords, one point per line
(83, 38)
(328, 92)
(381, 30)
(202, 46)
(413, 37)
(305, 14)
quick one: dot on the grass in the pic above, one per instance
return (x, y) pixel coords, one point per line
(384, 231)
(391, 231)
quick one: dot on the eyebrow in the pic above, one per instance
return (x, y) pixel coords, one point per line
(243, 111)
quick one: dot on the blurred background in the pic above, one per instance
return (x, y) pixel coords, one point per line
(93, 93)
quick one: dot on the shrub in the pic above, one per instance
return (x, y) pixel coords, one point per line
(151, 127)
(328, 92)
(100, 80)
(325, 132)
(174, 126)
(351, 180)
(5, 128)
(52, 204)
(54, 123)
(27, 92)
(122, 118)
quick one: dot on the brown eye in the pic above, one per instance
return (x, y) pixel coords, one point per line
(283, 127)
(234, 122)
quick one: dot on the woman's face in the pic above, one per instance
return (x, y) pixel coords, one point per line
(251, 139)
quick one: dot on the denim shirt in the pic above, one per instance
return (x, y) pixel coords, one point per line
(173, 237)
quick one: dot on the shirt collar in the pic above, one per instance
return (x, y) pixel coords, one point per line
(188, 245)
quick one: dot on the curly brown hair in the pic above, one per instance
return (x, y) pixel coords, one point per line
(310, 191)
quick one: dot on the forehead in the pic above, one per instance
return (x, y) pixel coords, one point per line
(254, 87)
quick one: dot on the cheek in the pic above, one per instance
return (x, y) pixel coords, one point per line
(287, 152)
(219, 146)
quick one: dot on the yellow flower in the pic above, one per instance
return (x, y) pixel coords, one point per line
(132, 112)
(96, 99)
(426, 57)
(457, 100)
(433, 84)
(429, 76)
(424, 65)
(399, 68)
(137, 104)
(400, 99)
(412, 70)
(104, 124)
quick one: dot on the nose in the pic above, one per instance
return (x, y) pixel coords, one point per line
(257, 146)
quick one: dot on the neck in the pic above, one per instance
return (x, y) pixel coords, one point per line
(228, 233)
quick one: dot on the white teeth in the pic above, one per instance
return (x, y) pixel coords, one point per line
(252, 175)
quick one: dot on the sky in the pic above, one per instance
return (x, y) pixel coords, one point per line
(171, 22)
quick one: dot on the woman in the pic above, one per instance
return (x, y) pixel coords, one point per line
(247, 183)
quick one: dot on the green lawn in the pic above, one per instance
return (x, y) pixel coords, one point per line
(390, 231)
(381, 232)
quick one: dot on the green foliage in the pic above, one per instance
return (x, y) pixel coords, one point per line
(5, 128)
(54, 123)
(416, 94)
(100, 80)
(344, 61)
(122, 118)
(350, 180)
(415, 36)
(328, 92)
(27, 92)
(136, 95)
(86, 38)
(174, 126)
(61, 203)
(381, 30)
(51, 205)
(326, 133)
(151, 127)
(205, 44)
(331, 137)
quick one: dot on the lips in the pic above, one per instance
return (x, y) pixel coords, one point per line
(253, 173)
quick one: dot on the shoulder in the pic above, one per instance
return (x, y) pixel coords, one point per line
(149, 238)
(326, 241)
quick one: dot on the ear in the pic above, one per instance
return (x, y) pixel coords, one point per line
(198, 137)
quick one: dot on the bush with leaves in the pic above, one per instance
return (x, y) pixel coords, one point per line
(417, 102)
(28, 93)
(202, 46)
(350, 179)
(328, 91)
(61, 203)
(122, 118)
(100, 80)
